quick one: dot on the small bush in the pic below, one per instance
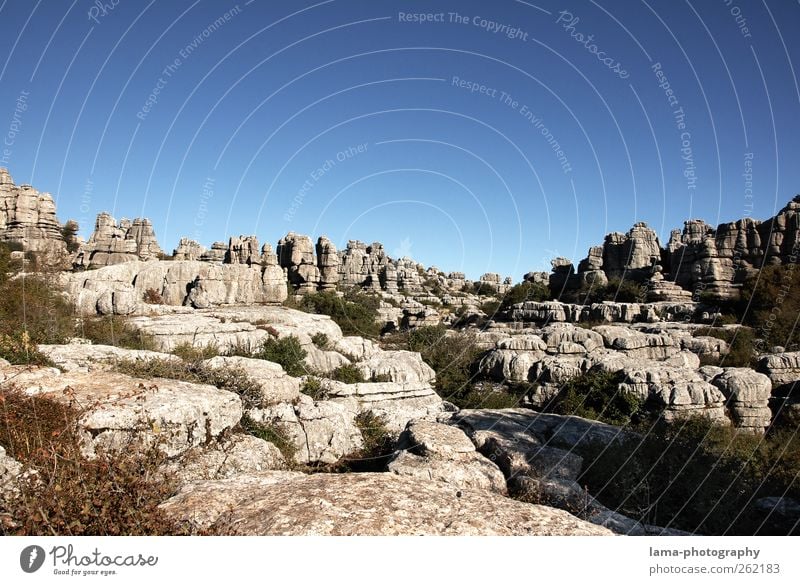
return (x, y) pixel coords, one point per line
(321, 341)
(113, 330)
(484, 396)
(313, 388)
(272, 434)
(70, 234)
(348, 373)
(379, 444)
(35, 305)
(595, 396)
(18, 349)
(66, 494)
(188, 352)
(450, 355)
(287, 352)
(153, 297)
(740, 342)
(481, 289)
(526, 291)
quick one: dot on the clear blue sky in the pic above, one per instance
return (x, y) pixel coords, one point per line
(254, 98)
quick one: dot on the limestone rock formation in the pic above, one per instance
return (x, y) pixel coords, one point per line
(296, 254)
(439, 452)
(188, 250)
(28, 217)
(398, 505)
(328, 262)
(122, 412)
(319, 431)
(112, 244)
(121, 288)
(748, 394)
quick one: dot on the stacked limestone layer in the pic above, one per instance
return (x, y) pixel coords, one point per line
(698, 259)
(28, 217)
(111, 243)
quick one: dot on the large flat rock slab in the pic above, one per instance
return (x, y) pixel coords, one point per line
(370, 504)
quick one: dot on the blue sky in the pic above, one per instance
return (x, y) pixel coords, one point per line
(354, 120)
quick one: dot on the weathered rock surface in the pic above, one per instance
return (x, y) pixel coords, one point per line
(28, 217)
(275, 386)
(231, 457)
(748, 394)
(397, 402)
(397, 366)
(194, 283)
(678, 391)
(334, 504)
(121, 412)
(783, 370)
(87, 357)
(320, 432)
(116, 244)
(438, 452)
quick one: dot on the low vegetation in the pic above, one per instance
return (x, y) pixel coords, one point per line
(272, 434)
(595, 396)
(741, 344)
(379, 444)
(356, 312)
(348, 373)
(452, 357)
(697, 477)
(61, 492)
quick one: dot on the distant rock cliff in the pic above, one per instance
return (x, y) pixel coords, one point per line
(699, 259)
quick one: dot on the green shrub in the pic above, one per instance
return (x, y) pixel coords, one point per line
(348, 373)
(379, 444)
(18, 349)
(35, 305)
(450, 355)
(481, 289)
(188, 352)
(595, 396)
(483, 396)
(113, 330)
(321, 341)
(115, 493)
(356, 313)
(490, 307)
(770, 304)
(526, 291)
(285, 351)
(272, 434)
(70, 234)
(740, 342)
(313, 388)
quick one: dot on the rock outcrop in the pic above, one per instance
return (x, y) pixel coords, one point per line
(121, 289)
(28, 217)
(700, 259)
(438, 452)
(112, 244)
(278, 504)
(122, 413)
